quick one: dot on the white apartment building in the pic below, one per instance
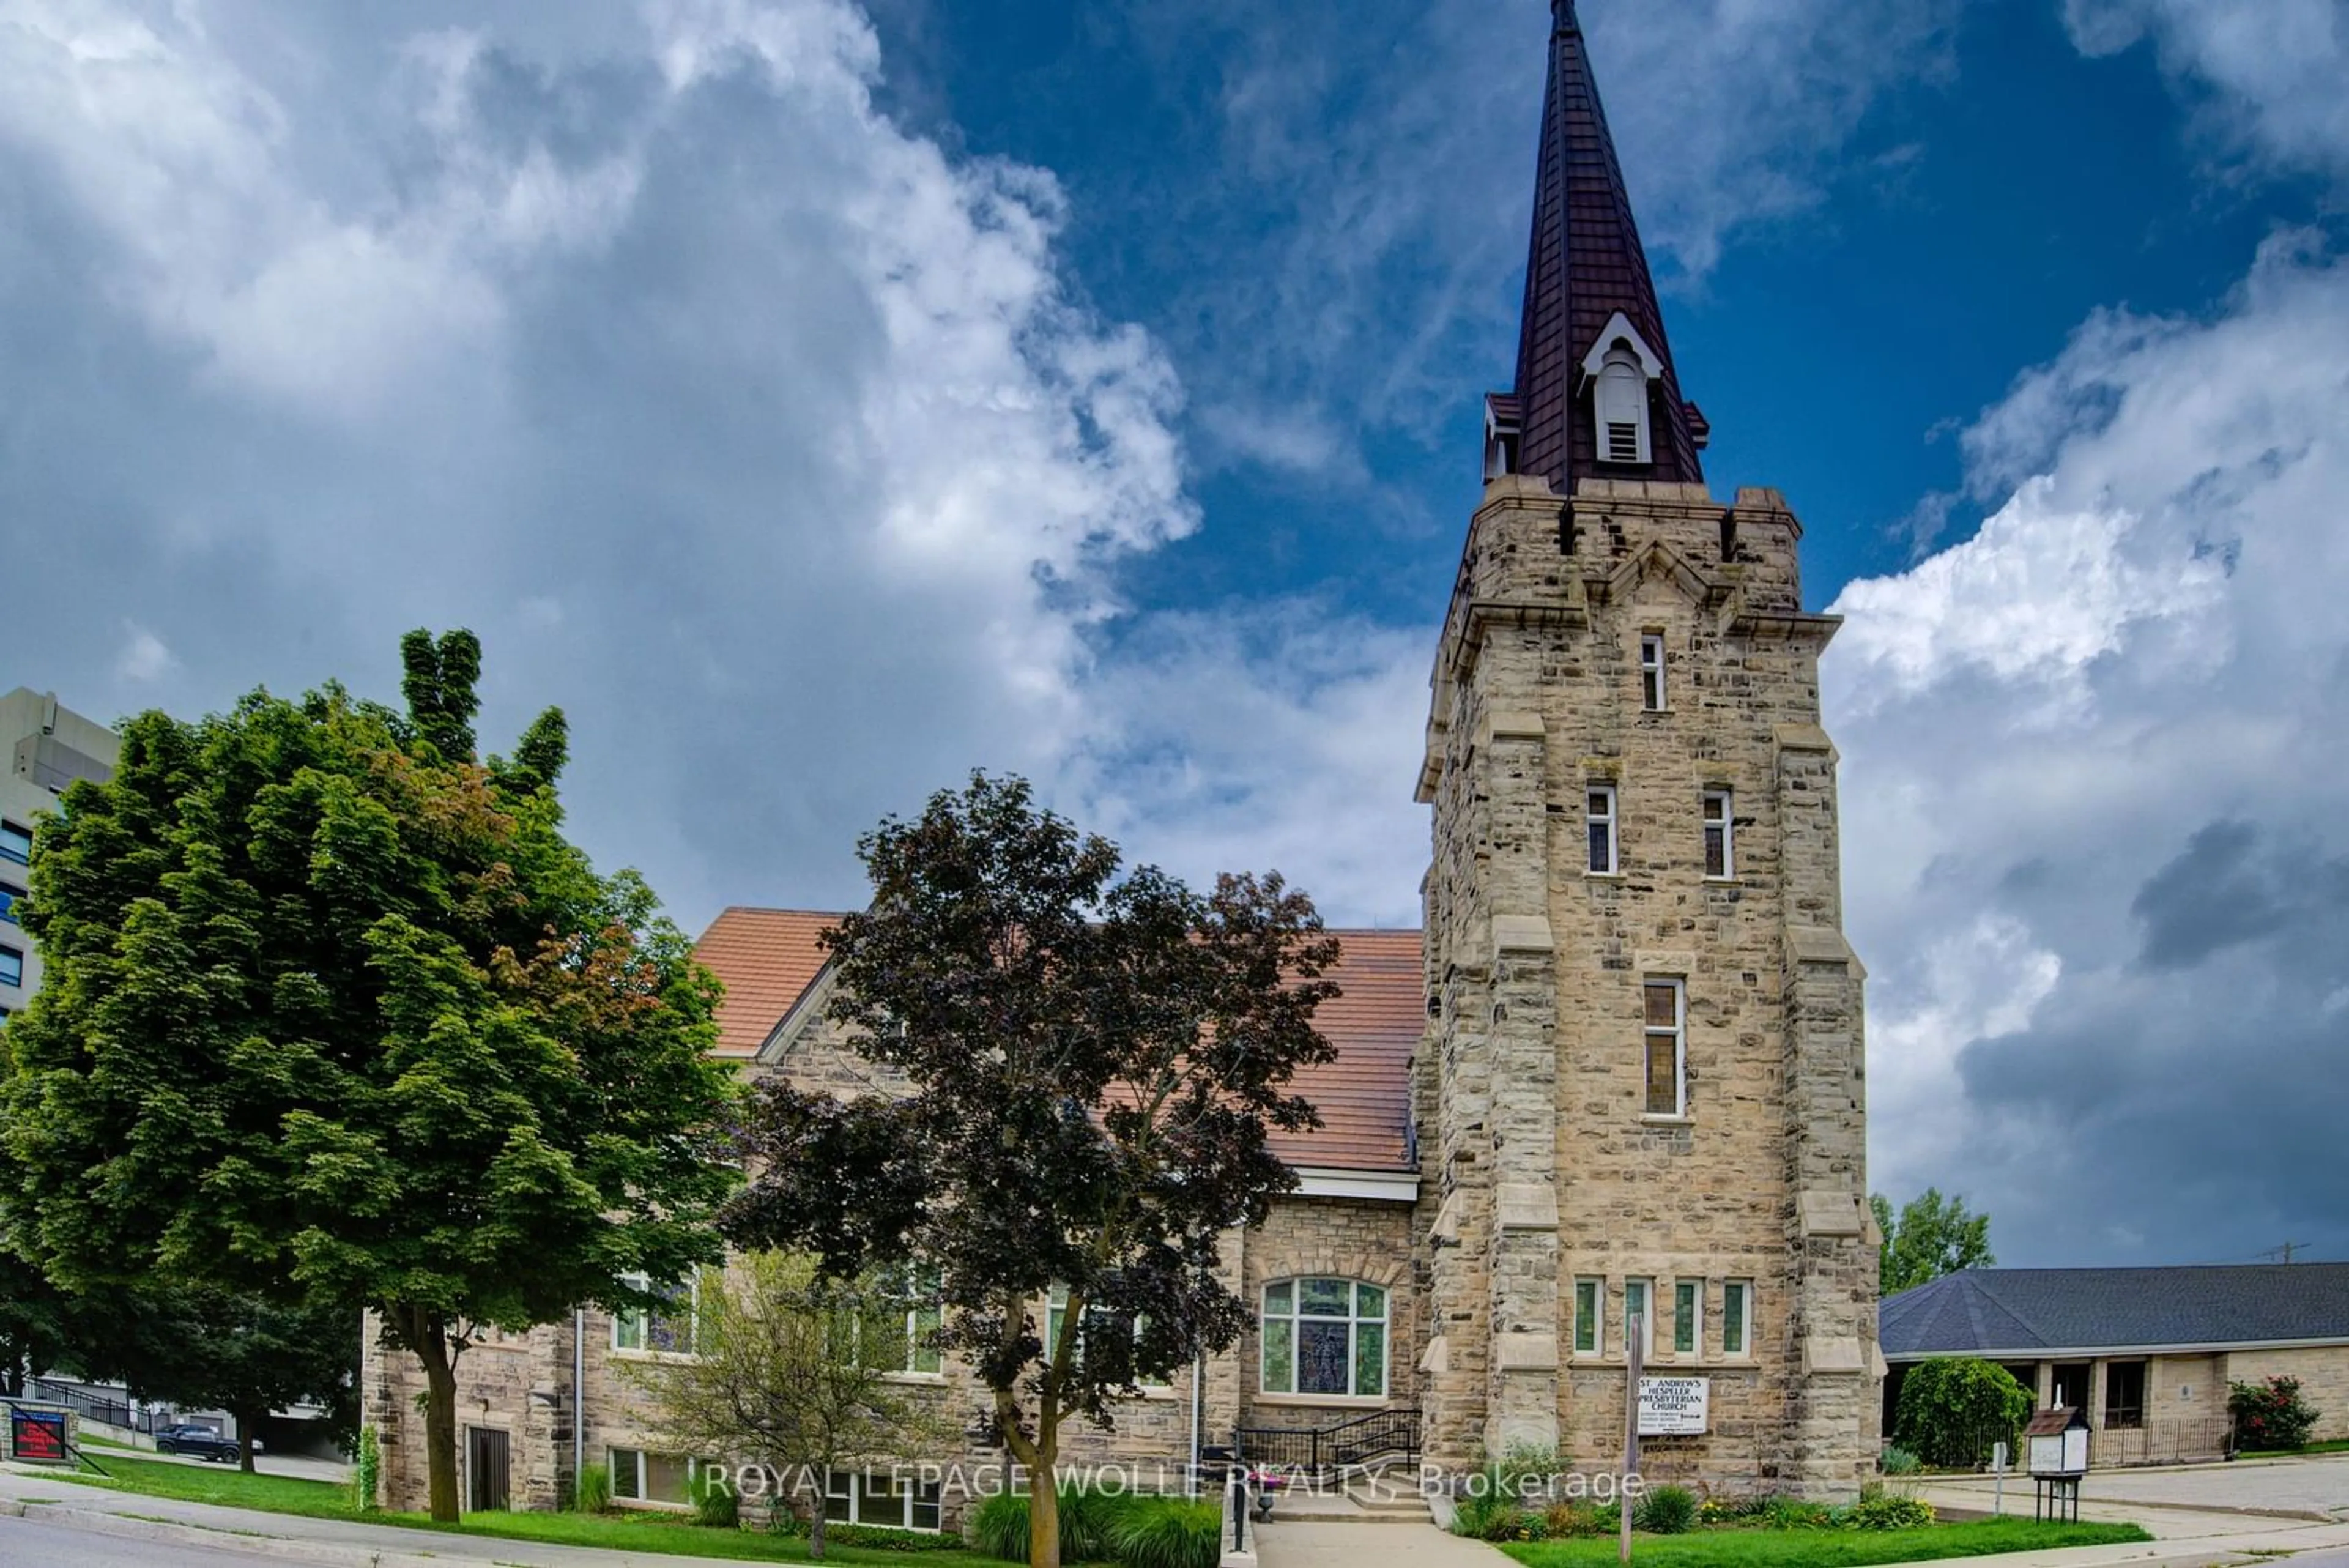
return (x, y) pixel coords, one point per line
(45, 746)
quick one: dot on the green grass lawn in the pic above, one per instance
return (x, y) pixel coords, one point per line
(2330, 1446)
(665, 1532)
(1828, 1548)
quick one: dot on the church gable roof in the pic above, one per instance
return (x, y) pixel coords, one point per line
(770, 961)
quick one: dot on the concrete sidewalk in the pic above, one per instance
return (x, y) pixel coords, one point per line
(2187, 1538)
(321, 1542)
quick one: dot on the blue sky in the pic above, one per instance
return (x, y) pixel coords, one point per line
(819, 398)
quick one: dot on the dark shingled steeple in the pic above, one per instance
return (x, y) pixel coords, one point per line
(1587, 266)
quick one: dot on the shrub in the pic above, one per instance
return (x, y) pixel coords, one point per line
(1566, 1520)
(1486, 1518)
(1900, 1461)
(367, 1470)
(874, 1537)
(1954, 1408)
(1792, 1514)
(1090, 1522)
(2270, 1415)
(714, 1503)
(1881, 1511)
(595, 1488)
(999, 1527)
(1167, 1533)
(1666, 1511)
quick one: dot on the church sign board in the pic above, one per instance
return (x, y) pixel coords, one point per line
(1673, 1407)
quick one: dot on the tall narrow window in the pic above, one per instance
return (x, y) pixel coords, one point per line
(1652, 672)
(1719, 830)
(1666, 1038)
(1622, 396)
(1588, 1298)
(1640, 1307)
(1598, 816)
(1737, 1317)
(1688, 1316)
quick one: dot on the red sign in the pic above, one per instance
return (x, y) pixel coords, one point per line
(38, 1437)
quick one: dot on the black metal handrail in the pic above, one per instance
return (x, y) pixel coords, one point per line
(1351, 1444)
(90, 1407)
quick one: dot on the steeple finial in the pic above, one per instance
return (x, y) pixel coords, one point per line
(1596, 395)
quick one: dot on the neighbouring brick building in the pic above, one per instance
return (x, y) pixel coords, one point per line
(2148, 1353)
(1620, 1077)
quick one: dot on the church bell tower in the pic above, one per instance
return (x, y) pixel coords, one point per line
(1640, 1091)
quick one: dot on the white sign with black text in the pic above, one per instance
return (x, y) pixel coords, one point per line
(1673, 1407)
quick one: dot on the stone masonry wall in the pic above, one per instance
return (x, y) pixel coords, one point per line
(1544, 1168)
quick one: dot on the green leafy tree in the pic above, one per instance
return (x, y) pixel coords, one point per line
(202, 1348)
(1931, 1236)
(791, 1369)
(1953, 1410)
(336, 1017)
(1092, 1060)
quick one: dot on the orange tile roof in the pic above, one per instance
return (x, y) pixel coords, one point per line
(1365, 1097)
(767, 959)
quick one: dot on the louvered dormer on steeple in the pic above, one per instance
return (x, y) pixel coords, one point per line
(1596, 395)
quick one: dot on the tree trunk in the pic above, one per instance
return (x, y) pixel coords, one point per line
(816, 1530)
(1043, 1519)
(247, 1425)
(432, 1345)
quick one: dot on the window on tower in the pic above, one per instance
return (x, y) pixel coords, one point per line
(1599, 817)
(1665, 1037)
(1719, 830)
(1652, 672)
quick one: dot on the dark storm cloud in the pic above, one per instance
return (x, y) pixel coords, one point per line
(2229, 887)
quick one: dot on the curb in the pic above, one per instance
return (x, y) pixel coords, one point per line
(321, 1553)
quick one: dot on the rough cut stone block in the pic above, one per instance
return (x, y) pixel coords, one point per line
(1528, 1206)
(1833, 1353)
(1522, 934)
(1526, 1352)
(1831, 1214)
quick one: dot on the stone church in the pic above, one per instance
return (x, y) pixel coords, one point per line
(1618, 1079)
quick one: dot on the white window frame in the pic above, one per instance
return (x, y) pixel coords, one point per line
(1611, 819)
(916, 1290)
(643, 1319)
(1646, 1315)
(1595, 1288)
(1355, 1320)
(1743, 1317)
(849, 1486)
(1690, 1324)
(1677, 1031)
(635, 1497)
(1652, 695)
(1056, 1307)
(1720, 803)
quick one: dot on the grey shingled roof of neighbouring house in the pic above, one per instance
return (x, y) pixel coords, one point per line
(2037, 1312)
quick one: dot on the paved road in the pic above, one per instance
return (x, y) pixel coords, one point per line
(28, 1540)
